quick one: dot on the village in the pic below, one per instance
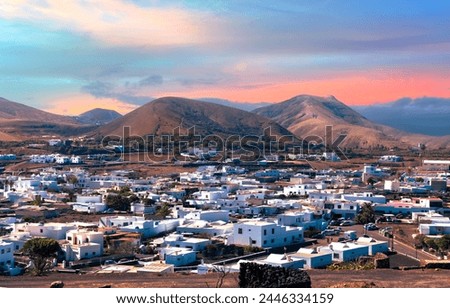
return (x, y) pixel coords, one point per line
(215, 216)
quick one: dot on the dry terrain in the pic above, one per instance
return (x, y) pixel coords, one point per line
(381, 278)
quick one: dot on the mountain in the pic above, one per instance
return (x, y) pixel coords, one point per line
(21, 121)
(307, 116)
(426, 115)
(163, 115)
(98, 116)
(238, 105)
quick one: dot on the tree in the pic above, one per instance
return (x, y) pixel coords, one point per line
(442, 243)
(366, 215)
(41, 251)
(164, 211)
(118, 202)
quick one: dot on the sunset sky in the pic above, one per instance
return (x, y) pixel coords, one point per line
(71, 56)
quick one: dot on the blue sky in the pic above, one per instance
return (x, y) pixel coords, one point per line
(71, 56)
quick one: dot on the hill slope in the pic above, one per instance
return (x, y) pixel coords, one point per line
(307, 115)
(24, 121)
(98, 116)
(163, 115)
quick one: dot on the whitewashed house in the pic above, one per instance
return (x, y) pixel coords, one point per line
(434, 229)
(83, 244)
(178, 240)
(56, 231)
(215, 228)
(6, 256)
(314, 258)
(344, 252)
(365, 197)
(264, 234)
(178, 256)
(282, 260)
(208, 215)
(374, 245)
(305, 219)
(137, 224)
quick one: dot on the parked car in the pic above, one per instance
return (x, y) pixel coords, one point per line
(347, 223)
(370, 227)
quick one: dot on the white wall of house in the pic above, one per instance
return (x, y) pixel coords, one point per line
(374, 245)
(366, 196)
(178, 256)
(264, 234)
(345, 251)
(212, 215)
(89, 207)
(314, 258)
(150, 228)
(56, 231)
(83, 244)
(178, 240)
(434, 229)
(6, 255)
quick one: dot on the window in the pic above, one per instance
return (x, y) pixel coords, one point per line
(285, 239)
(273, 231)
(8, 250)
(3, 251)
(253, 242)
(240, 231)
(339, 206)
(351, 207)
(335, 256)
(85, 254)
(272, 241)
(265, 232)
(41, 230)
(93, 253)
(69, 238)
(264, 242)
(17, 247)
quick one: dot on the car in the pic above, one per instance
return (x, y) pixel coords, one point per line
(370, 227)
(346, 223)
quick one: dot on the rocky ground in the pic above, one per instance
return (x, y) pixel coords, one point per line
(380, 278)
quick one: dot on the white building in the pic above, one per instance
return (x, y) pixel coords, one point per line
(83, 244)
(436, 165)
(18, 240)
(178, 240)
(303, 219)
(178, 256)
(282, 260)
(216, 228)
(373, 245)
(6, 256)
(435, 229)
(314, 258)
(89, 207)
(365, 197)
(265, 234)
(209, 215)
(56, 231)
(393, 186)
(345, 251)
(137, 224)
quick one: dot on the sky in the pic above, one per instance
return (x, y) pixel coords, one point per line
(70, 56)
